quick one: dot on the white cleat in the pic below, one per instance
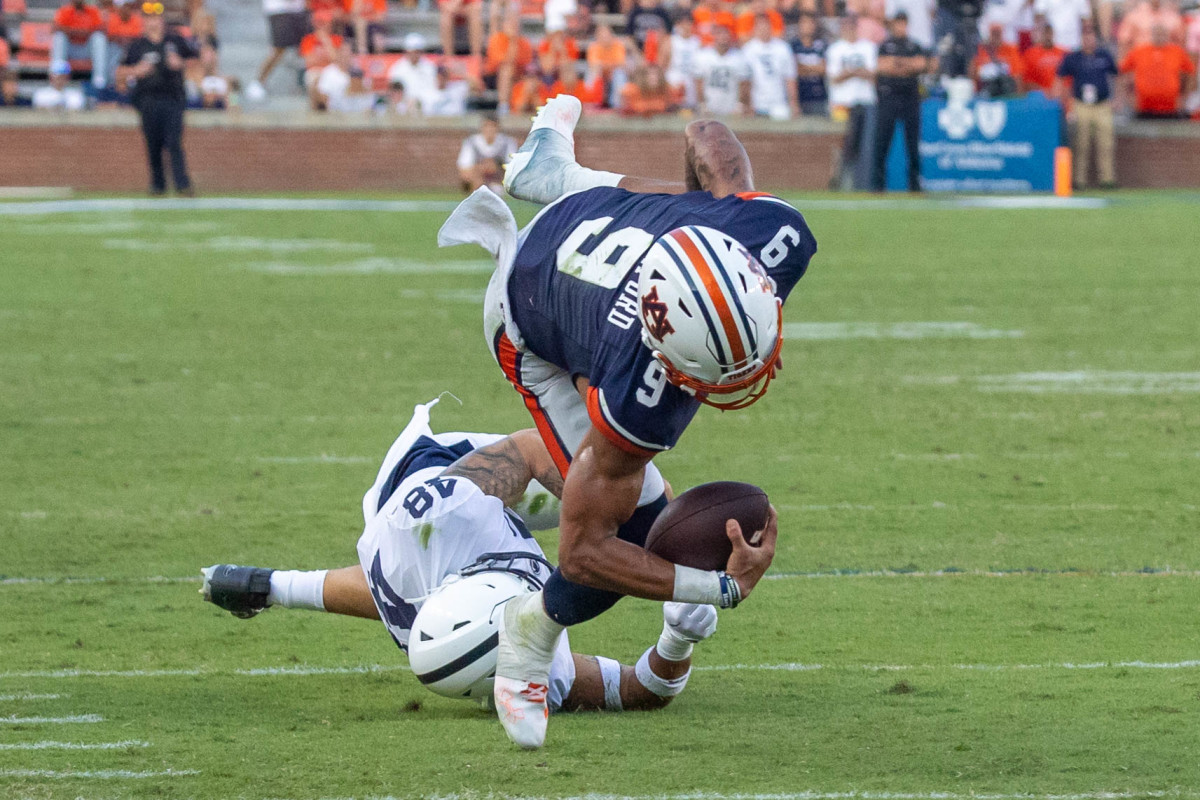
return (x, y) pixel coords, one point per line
(527, 642)
(537, 172)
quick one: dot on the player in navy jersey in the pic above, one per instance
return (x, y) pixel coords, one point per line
(619, 310)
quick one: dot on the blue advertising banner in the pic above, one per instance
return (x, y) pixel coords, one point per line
(983, 146)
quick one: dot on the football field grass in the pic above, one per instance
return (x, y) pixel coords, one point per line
(984, 448)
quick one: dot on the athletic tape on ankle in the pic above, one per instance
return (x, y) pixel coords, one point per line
(659, 686)
(672, 646)
(610, 674)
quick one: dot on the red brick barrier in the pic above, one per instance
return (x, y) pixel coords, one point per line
(103, 152)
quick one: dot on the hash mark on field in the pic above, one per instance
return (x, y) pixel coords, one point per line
(324, 458)
(6, 698)
(826, 331)
(75, 745)
(71, 720)
(67, 774)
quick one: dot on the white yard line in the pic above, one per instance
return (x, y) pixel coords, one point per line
(1070, 382)
(7, 698)
(376, 265)
(75, 745)
(321, 459)
(86, 580)
(222, 204)
(1178, 794)
(826, 331)
(1092, 665)
(71, 720)
(90, 774)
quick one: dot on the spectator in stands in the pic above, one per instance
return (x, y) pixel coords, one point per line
(525, 97)
(680, 55)
(902, 62)
(288, 23)
(319, 48)
(1015, 17)
(772, 73)
(122, 25)
(590, 93)
(558, 48)
(723, 76)
(357, 98)
(745, 22)
(482, 157)
(809, 49)
(79, 34)
(997, 65)
(416, 71)
(606, 64)
(396, 101)
(214, 88)
(508, 53)
(449, 98)
(920, 19)
(1066, 18)
(1138, 24)
(645, 18)
(59, 94)
(870, 19)
(1161, 74)
(647, 93)
(1192, 44)
(709, 15)
(1039, 64)
(557, 14)
(850, 64)
(154, 66)
(455, 12)
(1091, 70)
(367, 25)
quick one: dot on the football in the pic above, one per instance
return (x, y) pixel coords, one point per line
(691, 529)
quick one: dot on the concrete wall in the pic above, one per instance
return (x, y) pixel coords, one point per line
(228, 154)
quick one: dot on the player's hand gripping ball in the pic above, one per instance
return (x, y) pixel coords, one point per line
(691, 530)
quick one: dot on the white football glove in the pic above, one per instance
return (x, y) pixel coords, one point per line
(684, 624)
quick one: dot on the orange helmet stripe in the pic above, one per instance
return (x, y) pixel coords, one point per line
(714, 292)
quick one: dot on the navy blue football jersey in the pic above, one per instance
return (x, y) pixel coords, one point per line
(573, 294)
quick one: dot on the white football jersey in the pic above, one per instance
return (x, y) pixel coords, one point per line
(772, 64)
(843, 56)
(722, 76)
(422, 528)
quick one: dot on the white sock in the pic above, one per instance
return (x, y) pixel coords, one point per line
(578, 179)
(293, 588)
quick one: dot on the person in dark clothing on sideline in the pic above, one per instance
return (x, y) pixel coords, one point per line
(901, 63)
(153, 70)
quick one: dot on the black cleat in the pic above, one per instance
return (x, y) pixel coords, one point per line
(242, 591)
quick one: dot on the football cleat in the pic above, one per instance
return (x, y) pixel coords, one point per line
(537, 172)
(527, 642)
(242, 591)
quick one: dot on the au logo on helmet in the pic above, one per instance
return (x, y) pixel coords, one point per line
(654, 312)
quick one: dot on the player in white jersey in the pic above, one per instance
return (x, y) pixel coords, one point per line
(773, 73)
(722, 76)
(683, 50)
(456, 503)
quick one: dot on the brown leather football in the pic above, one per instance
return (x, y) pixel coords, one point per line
(691, 529)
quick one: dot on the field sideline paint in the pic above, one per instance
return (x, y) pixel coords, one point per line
(904, 331)
(71, 720)
(222, 204)
(88, 774)
(75, 745)
(303, 670)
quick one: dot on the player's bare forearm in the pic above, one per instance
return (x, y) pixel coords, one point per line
(600, 493)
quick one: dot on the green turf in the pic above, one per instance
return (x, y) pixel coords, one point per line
(178, 389)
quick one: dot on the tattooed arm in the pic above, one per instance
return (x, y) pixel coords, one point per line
(505, 468)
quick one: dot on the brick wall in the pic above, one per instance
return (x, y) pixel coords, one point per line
(225, 157)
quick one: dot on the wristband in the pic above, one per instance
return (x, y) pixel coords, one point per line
(672, 646)
(610, 675)
(731, 591)
(656, 685)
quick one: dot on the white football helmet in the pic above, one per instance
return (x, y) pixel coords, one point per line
(710, 315)
(452, 646)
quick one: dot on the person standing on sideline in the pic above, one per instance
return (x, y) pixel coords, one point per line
(1091, 69)
(901, 63)
(288, 23)
(850, 68)
(153, 71)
